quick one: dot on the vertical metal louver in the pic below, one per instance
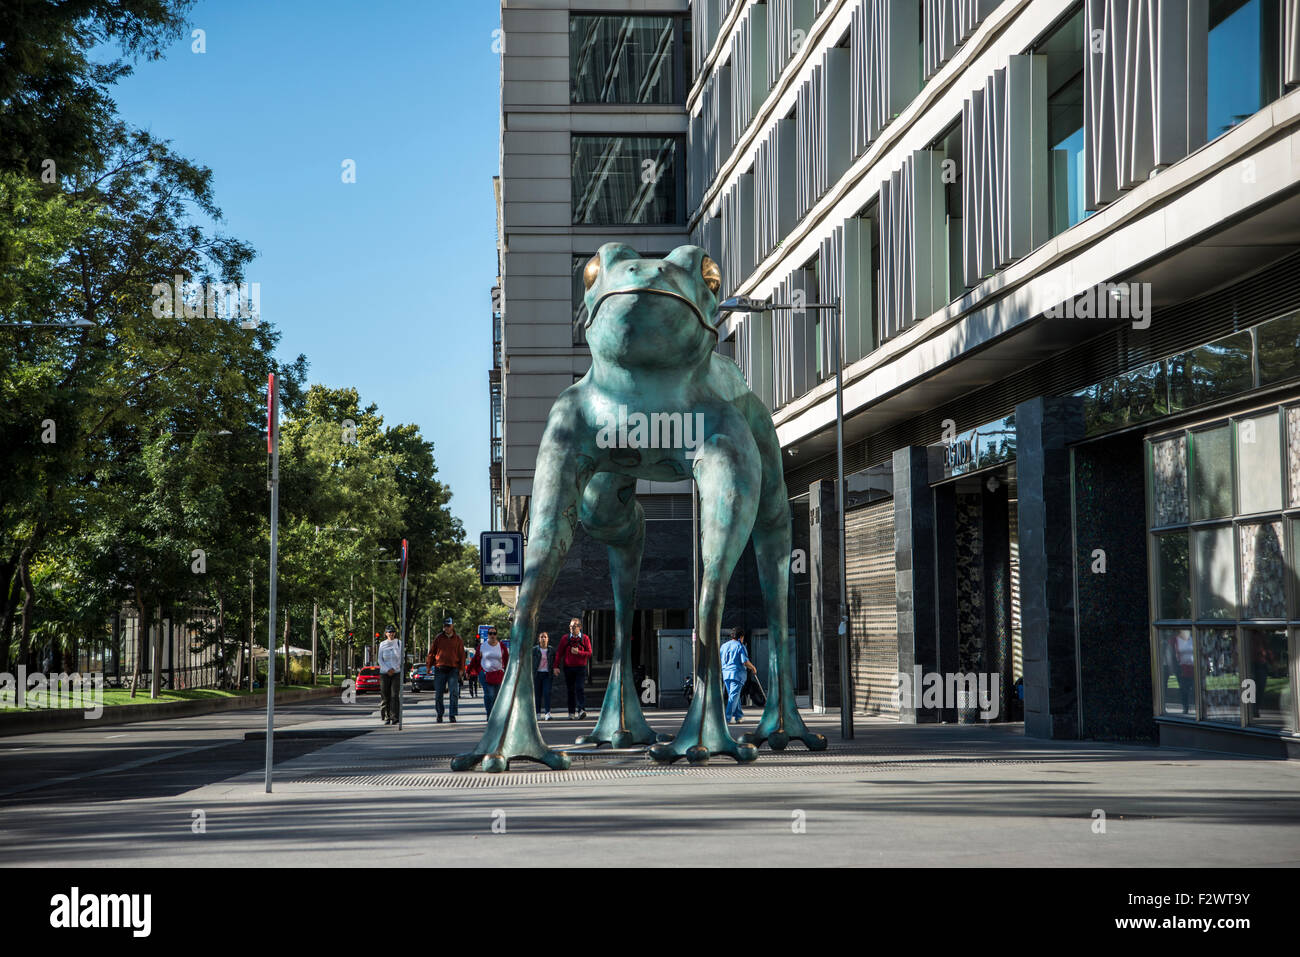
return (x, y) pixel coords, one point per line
(774, 176)
(1291, 43)
(913, 243)
(1004, 167)
(949, 24)
(831, 289)
(1145, 86)
(748, 69)
(885, 73)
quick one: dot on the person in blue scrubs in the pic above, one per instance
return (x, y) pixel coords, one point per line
(735, 664)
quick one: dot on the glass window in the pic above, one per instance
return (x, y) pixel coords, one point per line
(1063, 49)
(1241, 567)
(1259, 464)
(616, 59)
(1243, 61)
(1293, 453)
(1220, 675)
(1065, 166)
(1174, 598)
(1216, 573)
(624, 180)
(1263, 570)
(1211, 473)
(1177, 671)
(1214, 371)
(579, 300)
(1269, 667)
(1169, 480)
(1279, 349)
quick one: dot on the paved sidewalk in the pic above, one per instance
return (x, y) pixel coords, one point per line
(896, 795)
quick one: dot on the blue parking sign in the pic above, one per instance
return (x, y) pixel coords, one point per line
(501, 558)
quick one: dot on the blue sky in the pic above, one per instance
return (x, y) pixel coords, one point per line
(384, 283)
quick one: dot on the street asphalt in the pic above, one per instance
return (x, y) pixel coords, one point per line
(348, 790)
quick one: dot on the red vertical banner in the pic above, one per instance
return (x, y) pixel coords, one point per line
(404, 553)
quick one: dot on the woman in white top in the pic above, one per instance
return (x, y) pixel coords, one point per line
(492, 659)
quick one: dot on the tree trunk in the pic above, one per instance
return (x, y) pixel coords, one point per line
(141, 631)
(25, 627)
(313, 642)
(286, 646)
(221, 641)
(155, 677)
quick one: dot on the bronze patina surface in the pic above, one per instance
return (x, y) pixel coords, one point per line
(660, 404)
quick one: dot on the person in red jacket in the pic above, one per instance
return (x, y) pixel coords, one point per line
(572, 655)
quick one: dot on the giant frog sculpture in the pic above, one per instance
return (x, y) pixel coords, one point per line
(660, 404)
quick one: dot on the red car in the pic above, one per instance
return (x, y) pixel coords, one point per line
(368, 680)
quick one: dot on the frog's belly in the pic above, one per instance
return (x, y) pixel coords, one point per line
(653, 465)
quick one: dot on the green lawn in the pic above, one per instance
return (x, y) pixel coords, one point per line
(117, 697)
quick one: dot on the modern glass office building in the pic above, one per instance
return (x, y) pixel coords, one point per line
(1064, 239)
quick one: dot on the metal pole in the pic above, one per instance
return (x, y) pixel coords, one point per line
(273, 440)
(846, 685)
(402, 641)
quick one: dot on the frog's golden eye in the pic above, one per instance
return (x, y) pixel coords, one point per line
(712, 274)
(590, 272)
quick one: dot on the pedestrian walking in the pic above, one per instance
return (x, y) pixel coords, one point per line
(471, 672)
(735, 668)
(390, 676)
(543, 666)
(572, 655)
(447, 658)
(493, 657)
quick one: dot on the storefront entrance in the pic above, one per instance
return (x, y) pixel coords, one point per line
(978, 594)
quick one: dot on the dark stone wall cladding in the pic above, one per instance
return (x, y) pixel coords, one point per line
(1114, 643)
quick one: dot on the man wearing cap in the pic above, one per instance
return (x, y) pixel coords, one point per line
(447, 658)
(390, 675)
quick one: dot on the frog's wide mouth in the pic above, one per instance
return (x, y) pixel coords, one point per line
(595, 306)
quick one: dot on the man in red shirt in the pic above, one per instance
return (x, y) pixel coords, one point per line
(447, 657)
(572, 655)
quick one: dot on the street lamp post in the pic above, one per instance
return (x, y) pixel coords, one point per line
(747, 304)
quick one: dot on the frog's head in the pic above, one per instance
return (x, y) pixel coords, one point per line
(651, 312)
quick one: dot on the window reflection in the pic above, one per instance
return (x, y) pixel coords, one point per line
(626, 179)
(1243, 61)
(1220, 675)
(1177, 671)
(1269, 667)
(622, 59)
(1279, 349)
(1213, 371)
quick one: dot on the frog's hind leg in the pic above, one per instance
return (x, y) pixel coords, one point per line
(611, 514)
(728, 475)
(781, 722)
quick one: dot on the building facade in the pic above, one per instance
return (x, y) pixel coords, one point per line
(1064, 242)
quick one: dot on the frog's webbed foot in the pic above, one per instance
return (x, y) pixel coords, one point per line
(621, 723)
(512, 733)
(780, 725)
(703, 735)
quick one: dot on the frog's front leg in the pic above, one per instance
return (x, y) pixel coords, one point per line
(563, 467)
(727, 473)
(611, 514)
